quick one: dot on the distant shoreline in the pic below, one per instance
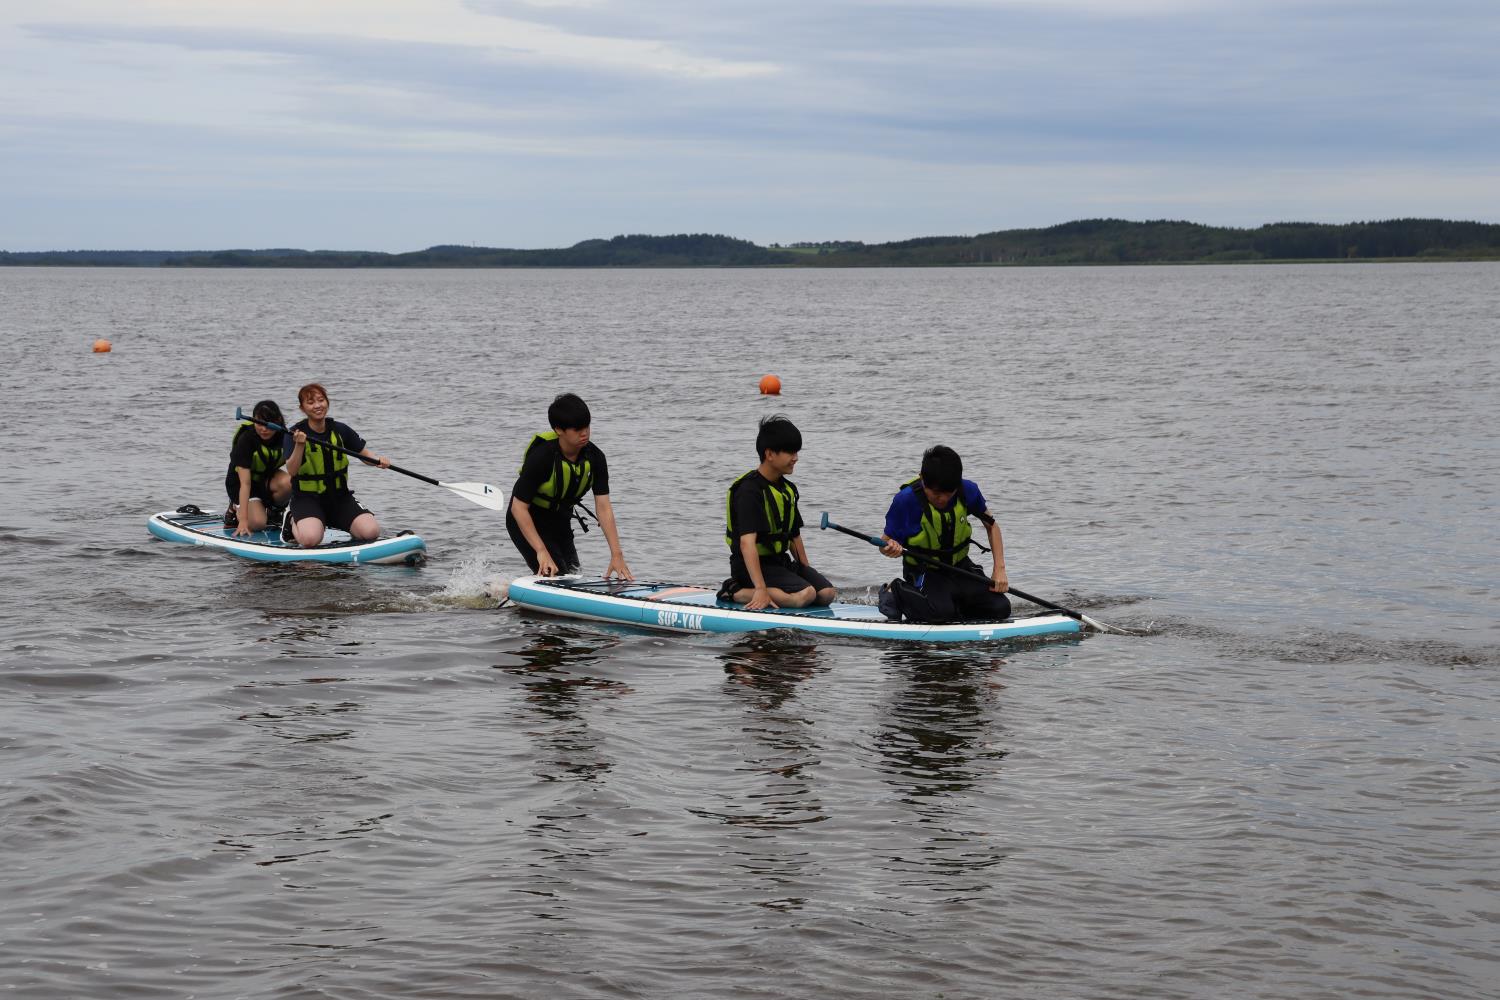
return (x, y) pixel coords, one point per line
(1088, 242)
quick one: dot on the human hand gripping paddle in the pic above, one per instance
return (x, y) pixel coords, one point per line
(961, 571)
(483, 494)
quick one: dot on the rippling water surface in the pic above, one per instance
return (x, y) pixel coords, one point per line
(220, 779)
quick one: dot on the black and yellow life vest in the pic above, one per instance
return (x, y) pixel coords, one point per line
(944, 534)
(779, 500)
(569, 482)
(265, 459)
(323, 470)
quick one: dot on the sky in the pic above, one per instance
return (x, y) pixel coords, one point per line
(400, 124)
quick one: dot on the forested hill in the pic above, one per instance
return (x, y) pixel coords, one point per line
(1089, 241)
(698, 250)
(1115, 241)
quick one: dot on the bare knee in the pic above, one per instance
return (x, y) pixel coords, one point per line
(309, 532)
(254, 515)
(826, 596)
(365, 528)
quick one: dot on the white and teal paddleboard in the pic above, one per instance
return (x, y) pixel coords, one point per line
(192, 526)
(676, 608)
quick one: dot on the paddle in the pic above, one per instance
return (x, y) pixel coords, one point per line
(972, 574)
(483, 494)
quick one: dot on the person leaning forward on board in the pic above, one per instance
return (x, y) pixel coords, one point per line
(927, 526)
(768, 564)
(255, 482)
(320, 476)
(560, 467)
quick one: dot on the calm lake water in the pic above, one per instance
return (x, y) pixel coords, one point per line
(220, 779)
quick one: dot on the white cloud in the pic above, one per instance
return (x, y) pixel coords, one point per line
(782, 120)
(431, 22)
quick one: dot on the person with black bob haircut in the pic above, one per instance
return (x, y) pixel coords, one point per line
(560, 467)
(257, 485)
(768, 565)
(929, 518)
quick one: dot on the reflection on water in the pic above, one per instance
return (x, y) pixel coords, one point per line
(557, 695)
(305, 774)
(770, 666)
(560, 671)
(936, 737)
(763, 672)
(937, 748)
(775, 786)
(287, 723)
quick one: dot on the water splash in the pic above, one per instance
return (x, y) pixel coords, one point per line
(482, 580)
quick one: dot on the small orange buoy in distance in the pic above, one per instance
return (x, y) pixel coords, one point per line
(102, 346)
(770, 385)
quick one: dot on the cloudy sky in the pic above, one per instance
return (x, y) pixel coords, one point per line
(398, 124)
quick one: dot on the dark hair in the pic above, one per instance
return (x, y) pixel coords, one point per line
(268, 411)
(942, 469)
(777, 433)
(568, 413)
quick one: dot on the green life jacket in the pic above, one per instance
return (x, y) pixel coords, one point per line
(780, 504)
(265, 459)
(944, 534)
(323, 469)
(569, 482)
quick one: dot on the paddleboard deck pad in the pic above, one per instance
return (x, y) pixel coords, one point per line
(676, 608)
(192, 526)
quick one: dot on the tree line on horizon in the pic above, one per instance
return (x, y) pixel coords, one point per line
(1086, 241)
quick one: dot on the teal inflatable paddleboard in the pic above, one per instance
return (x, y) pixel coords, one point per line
(677, 608)
(192, 526)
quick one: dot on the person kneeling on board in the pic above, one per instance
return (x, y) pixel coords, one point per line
(928, 526)
(560, 467)
(320, 475)
(768, 566)
(256, 483)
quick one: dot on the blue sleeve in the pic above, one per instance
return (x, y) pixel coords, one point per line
(904, 518)
(973, 499)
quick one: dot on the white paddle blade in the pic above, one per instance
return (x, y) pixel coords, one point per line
(483, 494)
(1100, 626)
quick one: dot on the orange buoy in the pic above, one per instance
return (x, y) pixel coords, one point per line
(102, 346)
(770, 385)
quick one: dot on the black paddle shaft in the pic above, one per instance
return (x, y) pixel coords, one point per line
(329, 444)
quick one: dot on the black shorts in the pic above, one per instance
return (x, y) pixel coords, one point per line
(787, 576)
(258, 491)
(557, 535)
(335, 510)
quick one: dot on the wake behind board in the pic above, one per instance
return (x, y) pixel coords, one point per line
(675, 608)
(194, 527)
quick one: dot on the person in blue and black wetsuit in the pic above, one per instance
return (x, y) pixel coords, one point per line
(255, 482)
(320, 476)
(929, 516)
(560, 468)
(768, 564)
